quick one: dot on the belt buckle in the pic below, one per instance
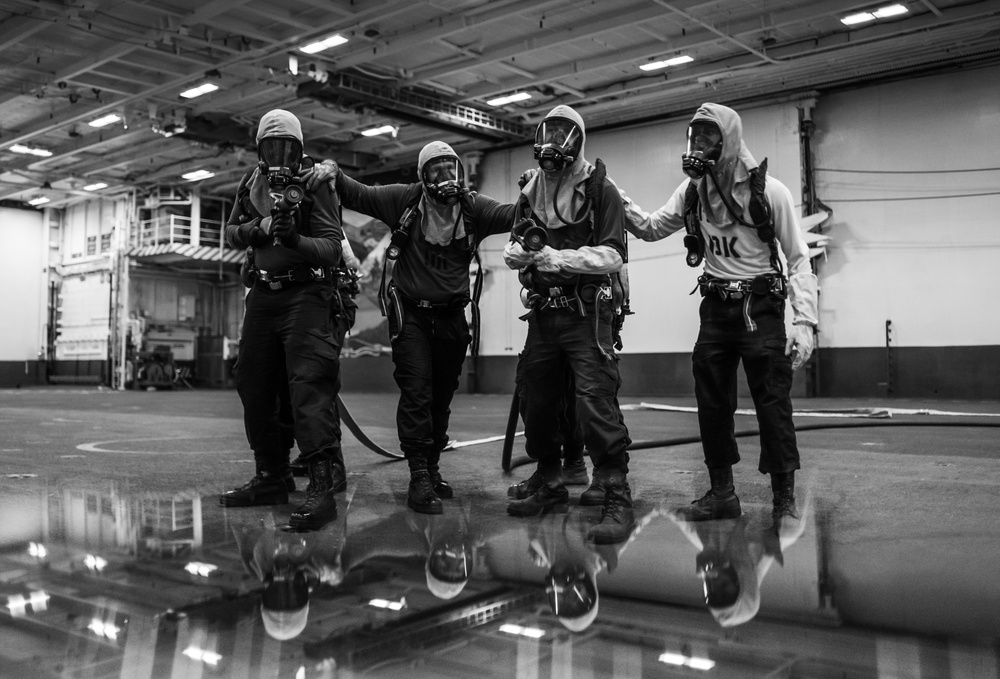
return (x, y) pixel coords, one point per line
(560, 302)
(424, 304)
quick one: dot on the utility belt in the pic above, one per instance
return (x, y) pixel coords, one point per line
(567, 298)
(454, 304)
(727, 290)
(279, 280)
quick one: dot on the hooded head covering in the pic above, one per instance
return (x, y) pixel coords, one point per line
(731, 169)
(440, 223)
(274, 123)
(567, 188)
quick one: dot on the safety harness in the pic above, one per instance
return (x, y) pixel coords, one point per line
(762, 222)
(406, 221)
(613, 290)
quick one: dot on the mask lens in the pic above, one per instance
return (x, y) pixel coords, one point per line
(450, 563)
(280, 152)
(705, 137)
(571, 592)
(439, 170)
(562, 135)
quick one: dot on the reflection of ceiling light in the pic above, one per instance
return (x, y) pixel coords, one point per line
(880, 13)
(509, 99)
(95, 187)
(95, 563)
(207, 657)
(683, 660)
(391, 605)
(197, 174)
(326, 43)
(103, 629)
(202, 569)
(30, 150)
(675, 61)
(385, 129)
(37, 550)
(105, 120)
(41, 200)
(169, 130)
(532, 632)
(200, 90)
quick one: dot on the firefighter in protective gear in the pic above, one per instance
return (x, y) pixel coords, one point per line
(745, 284)
(437, 224)
(570, 322)
(287, 322)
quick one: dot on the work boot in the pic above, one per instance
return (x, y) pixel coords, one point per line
(617, 515)
(720, 502)
(526, 488)
(594, 495)
(299, 466)
(441, 487)
(420, 496)
(783, 488)
(574, 473)
(320, 507)
(551, 496)
(266, 488)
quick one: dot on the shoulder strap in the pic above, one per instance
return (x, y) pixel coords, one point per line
(694, 240)
(468, 203)
(760, 213)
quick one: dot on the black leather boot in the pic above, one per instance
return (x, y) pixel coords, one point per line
(617, 515)
(265, 488)
(420, 496)
(526, 488)
(550, 495)
(441, 487)
(783, 488)
(720, 502)
(594, 495)
(300, 467)
(320, 507)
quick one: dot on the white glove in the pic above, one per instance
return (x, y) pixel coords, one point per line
(515, 256)
(800, 341)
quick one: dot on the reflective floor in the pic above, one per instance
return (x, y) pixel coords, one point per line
(117, 560)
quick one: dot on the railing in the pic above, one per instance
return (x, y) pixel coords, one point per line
(169, 229)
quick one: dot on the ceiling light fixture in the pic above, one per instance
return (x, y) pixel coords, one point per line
(197, 175)
(95, 187)
(675, 61)
(40, 200)
(682, 660)
(326, 43)
(509, 99)
(204, 88)
(30, 150)
(105, 120)
(375, 131)
(881, 13)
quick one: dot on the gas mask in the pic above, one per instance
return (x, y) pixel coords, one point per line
(720, 583)
(704, 148)
(280, 160)
(557, 144)
(570, 590)
(444, 179)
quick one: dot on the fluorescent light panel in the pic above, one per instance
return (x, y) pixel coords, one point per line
(41, 200)
(890, 11)
(375, 131)
(325, 44)
(95, 187)
(509, 99)
(197, 174)
(675, 61)
(883, 12)
(30, 150)
(685, 661)
(105, 120)
(204, 88)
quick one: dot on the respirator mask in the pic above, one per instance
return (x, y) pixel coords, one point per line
(280, 160)
(704, 148)
(557, 144)
(444, 179)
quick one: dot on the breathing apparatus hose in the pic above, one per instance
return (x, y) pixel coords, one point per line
(360, 435)
(555, 203)
(683, 440)
(727, 201)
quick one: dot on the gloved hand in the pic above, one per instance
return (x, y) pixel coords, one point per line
(248, 274)
(800, 341)
(258, 237)
(318, 174)
(516, 256)
(548, 259)
(283, 228)
(525, 177)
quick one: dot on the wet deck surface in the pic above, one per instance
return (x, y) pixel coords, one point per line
(116, 559)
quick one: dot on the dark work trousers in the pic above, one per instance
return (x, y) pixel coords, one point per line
(559, 339)
(722, 342)
(295, 324)
(343, 315)
(569, 425)
(428, 350)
